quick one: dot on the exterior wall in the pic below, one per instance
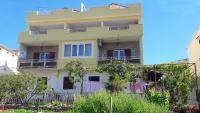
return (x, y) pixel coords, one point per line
(91, 61)
(55, 81)
(95, 14)
(134, 46)
(32, 50)
(8, 62)
(193, 51)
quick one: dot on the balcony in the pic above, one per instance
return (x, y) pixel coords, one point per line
(129, 33)
(131, 59)
(38, 63)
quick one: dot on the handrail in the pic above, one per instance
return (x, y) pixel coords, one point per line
(121, 58)
(44, 63)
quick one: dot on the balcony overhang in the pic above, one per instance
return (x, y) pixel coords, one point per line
(133, 33)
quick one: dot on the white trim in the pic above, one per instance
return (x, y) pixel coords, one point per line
(78, 43)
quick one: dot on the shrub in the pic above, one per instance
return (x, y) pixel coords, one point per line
(160, 98)
(122, 103)
(56, 103)
(31, 111)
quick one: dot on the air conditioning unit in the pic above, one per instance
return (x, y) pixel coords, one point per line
(99, 41)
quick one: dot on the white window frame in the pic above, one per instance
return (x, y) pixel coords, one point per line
(77, 43)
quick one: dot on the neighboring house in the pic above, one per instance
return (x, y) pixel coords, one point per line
(95, 36)
(194, 50)
(8, 61)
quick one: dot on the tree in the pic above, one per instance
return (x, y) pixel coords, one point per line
(120, 73)
(23, 86)
(178, 81)
(77, 69)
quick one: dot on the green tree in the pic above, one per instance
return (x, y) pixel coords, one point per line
(77, 69)
(120, 73)
(23, 86)
(178, 81)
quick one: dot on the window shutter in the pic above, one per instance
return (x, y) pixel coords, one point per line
(127, 52)
(110, 53)
(36, 55)
(52, 55)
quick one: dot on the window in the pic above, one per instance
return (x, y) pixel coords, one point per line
(67, 51)
(81, 50)
(74, 50)
(78, 50)
(94, 78)
(88, 49)
(68, 83)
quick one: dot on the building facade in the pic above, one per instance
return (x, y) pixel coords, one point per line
(95, 36)
(8, 61)
(194, 50)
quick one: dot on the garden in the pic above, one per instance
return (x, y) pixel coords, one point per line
(170, 90)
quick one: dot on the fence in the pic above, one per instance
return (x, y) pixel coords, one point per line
(68, 98)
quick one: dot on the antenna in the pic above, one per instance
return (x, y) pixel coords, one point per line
(83, 7)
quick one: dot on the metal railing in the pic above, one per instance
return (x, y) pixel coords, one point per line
(119, 58)
(122, 27)
(38, 63)
(77, 30)
(133, 59)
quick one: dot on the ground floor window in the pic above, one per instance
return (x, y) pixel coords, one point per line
(94, 78)
(68, 83)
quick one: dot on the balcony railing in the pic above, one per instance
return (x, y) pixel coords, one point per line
(122, 27)
(132, 59)
(38, 63)
(77, 30)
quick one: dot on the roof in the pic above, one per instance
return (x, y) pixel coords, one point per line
(118, 5)
(9, 50)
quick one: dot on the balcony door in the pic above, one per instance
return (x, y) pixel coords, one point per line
(43, 56)
(118, 54)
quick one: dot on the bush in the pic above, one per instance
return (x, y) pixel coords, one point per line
(56, 103)
(160, 98)
(122, 103)
(31, 111)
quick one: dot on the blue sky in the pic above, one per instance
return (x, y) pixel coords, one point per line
(168, 24)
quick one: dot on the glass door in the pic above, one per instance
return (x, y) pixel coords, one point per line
(118, 54)
(43, 56)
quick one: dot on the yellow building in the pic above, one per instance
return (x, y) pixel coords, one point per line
(94, 36)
